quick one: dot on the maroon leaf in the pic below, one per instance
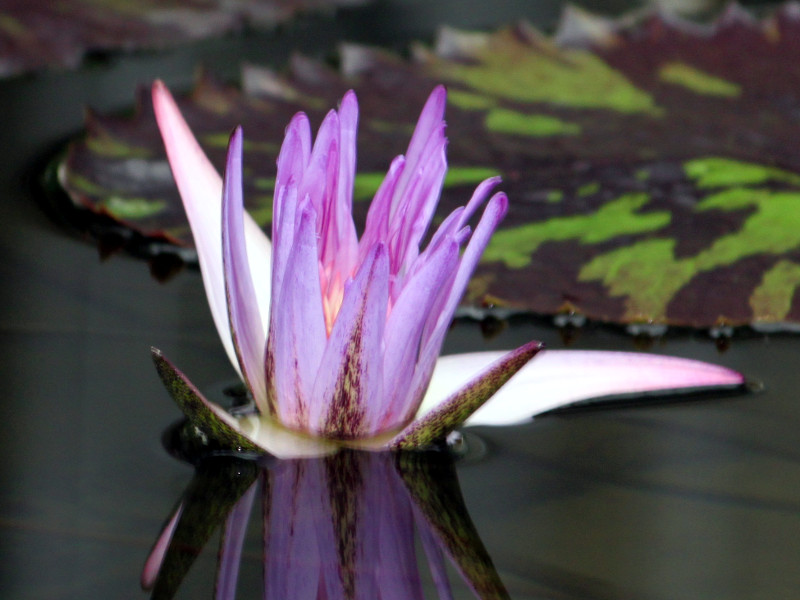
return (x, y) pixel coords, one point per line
(652, 168)
(42, 33)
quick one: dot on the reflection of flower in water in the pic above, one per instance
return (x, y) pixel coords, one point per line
(336, 527)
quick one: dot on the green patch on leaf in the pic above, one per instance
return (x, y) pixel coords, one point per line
(365, 185)
(469, 101)
(14, 27)
(694, 79)
(506, 67)
(133, 208)
(709, 172)
(381, 126)
(501, 120)
(467, 175)
(588, 189)
(555, 196)
(261, 210)
(772, 300)
(220, 140)
(85, 185)
(515, 246)
(648, 274)
(104, 144)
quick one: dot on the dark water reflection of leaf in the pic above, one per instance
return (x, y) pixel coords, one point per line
(343, 526)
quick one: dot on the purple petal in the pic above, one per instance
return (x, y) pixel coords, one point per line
(200, 187)
(346, 250)
(561, 377)
(440, 319)
(418, 202)
(404, 330)
(230, 554)
(297, 333)
(448, 415)
(377, 225)
(243, 312)
(348, 387)
(292, 161)
(429, 124)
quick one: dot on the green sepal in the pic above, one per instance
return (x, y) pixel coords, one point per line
(443, 419)
(212, 420)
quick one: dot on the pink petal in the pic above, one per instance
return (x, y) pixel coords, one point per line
(200, 187)
(246, 326)
(155, 559)
(557, 378)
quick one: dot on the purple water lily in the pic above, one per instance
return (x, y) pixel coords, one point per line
(348, 347)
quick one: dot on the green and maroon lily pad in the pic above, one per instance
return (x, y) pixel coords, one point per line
(653, 168)
(37, 34)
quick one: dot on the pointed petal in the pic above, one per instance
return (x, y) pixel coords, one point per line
(347, 249)
(200, 187)
(349, 377)
(292, 161)
(457, 408)
(558, 378)
(429, 125)
(246, 326)
(250, 434)
(492, 215)
(404, 331)
(376, 228)
(297, 334)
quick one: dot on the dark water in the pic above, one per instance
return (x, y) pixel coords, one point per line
(690, 500)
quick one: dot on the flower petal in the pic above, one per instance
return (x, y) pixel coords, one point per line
(348, 387)
(297, 330)
(559, 378)
(246, 327)
(448, 415)
(404, 331)
(200, 187)
(437, 328)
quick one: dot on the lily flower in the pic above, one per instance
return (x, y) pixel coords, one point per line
(338, 338)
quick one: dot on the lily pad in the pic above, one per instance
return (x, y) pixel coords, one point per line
(36, 34)
(652, 164)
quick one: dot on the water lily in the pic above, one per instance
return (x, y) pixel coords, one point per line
(338, 338)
